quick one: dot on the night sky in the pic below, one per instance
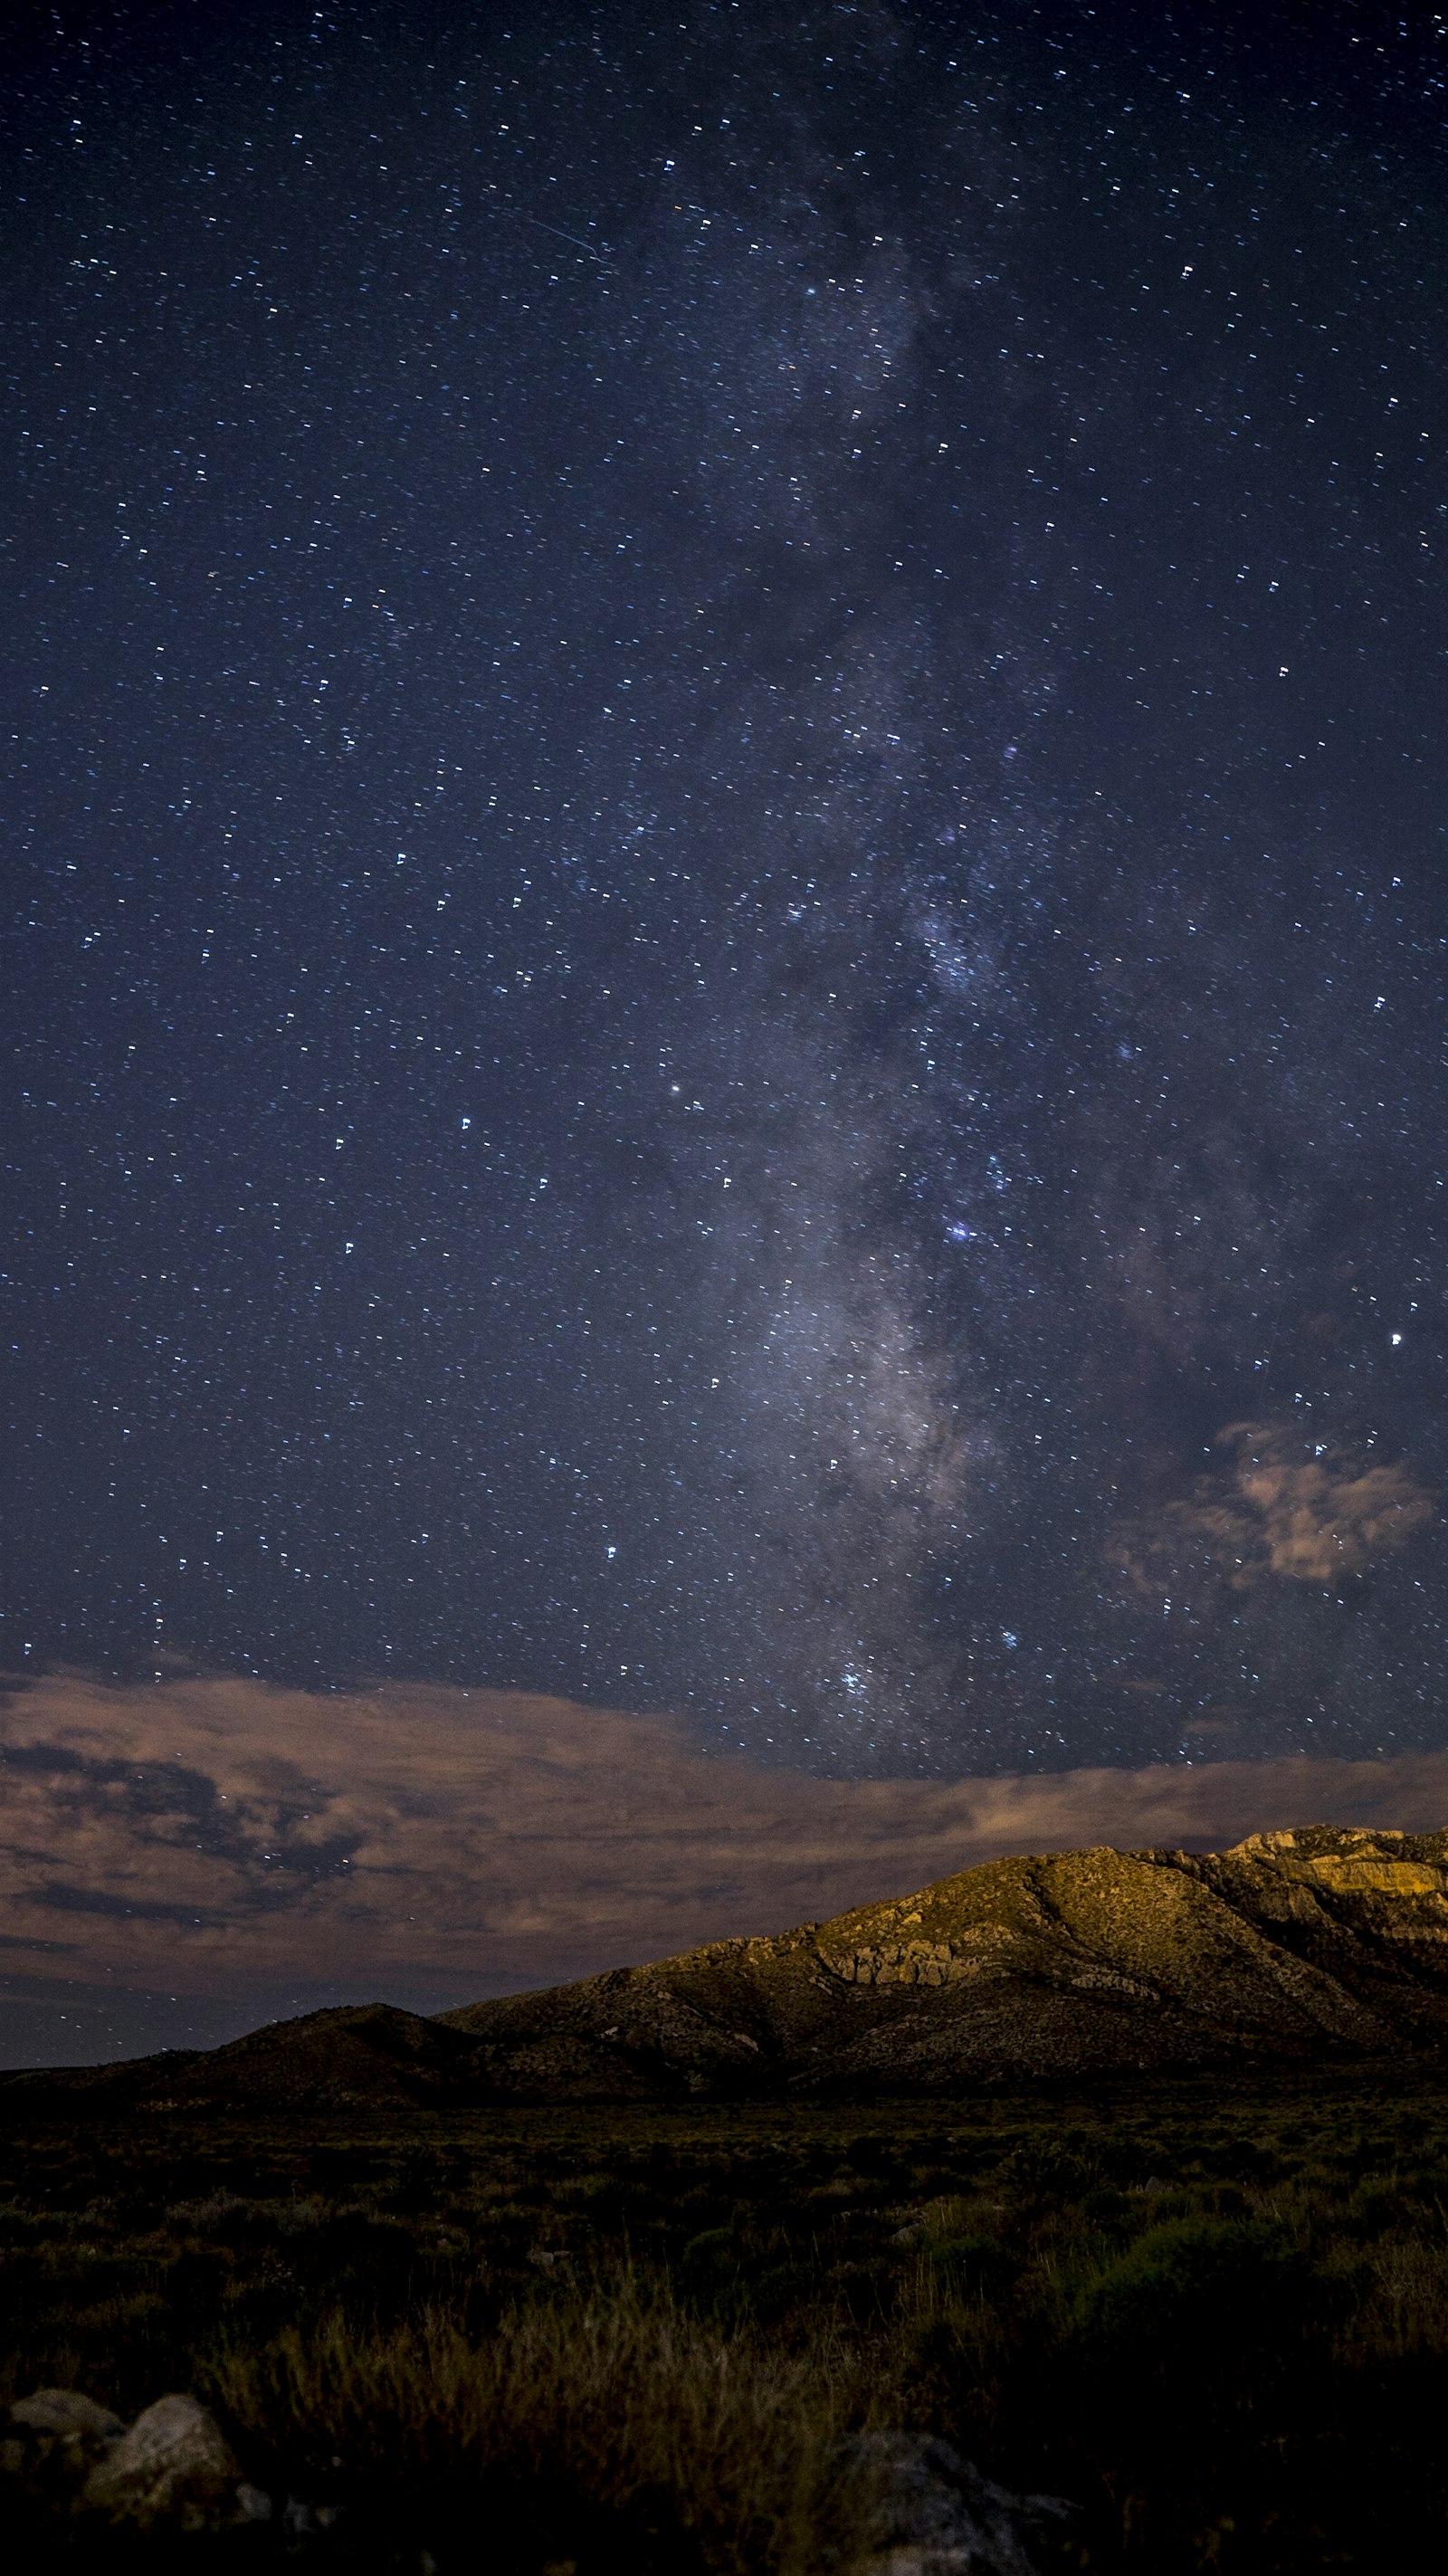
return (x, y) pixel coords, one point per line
(725, 868)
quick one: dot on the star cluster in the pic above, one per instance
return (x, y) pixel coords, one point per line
(727, 959)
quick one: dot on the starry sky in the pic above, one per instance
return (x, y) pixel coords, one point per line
(725, 868)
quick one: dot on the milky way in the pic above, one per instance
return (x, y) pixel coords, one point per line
(728, 972)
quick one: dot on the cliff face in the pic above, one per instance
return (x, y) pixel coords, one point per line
(1294, 1946)
(1301, 1944)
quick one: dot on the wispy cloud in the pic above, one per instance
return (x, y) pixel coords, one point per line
(1268, 1509)
(218, 1835)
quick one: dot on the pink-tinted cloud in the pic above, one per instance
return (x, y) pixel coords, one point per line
(1267, 1509)
(219, 1836)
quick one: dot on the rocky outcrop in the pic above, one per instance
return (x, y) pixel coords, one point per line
(71, 2472)
(932, 2514)
(51, 2440)
(63, 2456)
(173, 2465)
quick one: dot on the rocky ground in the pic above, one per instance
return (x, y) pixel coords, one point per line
(76, 2482)
(74, 2477)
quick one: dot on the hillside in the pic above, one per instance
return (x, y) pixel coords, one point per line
(1292, 1945)
(1306, 1945)
(365, 2057)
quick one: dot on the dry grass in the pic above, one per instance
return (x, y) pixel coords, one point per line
(612, 2403)
(1402, 2311)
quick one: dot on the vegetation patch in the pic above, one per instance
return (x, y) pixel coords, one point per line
(1213, 2315)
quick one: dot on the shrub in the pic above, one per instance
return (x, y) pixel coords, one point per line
(1054, 2169)
(709, 2263)
(1198, 2304)
(977, 2266)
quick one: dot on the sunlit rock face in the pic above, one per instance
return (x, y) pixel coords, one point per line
(908, 1963)
(1309, 1944)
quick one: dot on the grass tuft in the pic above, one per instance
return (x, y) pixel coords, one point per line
(611, 2407)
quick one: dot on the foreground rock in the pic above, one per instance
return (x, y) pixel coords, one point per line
(175, 2464)
(935, 2515)
(69, 2465)
(1294, 1947)
(52, 2439)
(173, 2469)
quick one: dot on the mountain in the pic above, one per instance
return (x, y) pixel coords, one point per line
(1304, 1944)
(364, 2057)
(1293, 1946)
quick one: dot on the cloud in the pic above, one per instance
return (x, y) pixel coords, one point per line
(1269, 1510)
(222, 1837)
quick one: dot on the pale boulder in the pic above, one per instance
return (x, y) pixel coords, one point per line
(175, 2464)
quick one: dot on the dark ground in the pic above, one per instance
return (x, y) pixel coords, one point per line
(1213, 2312)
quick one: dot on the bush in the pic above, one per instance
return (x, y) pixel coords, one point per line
(974, 2266)
(1198, 2304)
(1054, 2168)
(709, 2263)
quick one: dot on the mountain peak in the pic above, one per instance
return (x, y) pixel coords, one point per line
(1314, 1942)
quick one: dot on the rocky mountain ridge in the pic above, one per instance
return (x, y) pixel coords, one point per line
(1304, 1945)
